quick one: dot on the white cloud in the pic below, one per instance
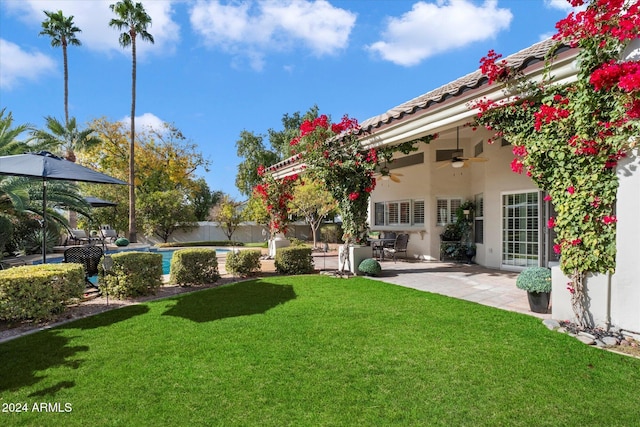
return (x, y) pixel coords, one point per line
(92, 17)
(429, 29)
(252, 29)
(146, 122)
(563, 5)
(22, 65)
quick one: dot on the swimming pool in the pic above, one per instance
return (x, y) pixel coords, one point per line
(167, 254)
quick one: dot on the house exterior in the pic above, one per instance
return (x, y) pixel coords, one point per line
(510, 218)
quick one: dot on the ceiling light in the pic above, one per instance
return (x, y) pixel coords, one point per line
(457, 164)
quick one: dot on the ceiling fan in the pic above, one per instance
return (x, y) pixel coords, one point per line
(457, 159)
(384, 174)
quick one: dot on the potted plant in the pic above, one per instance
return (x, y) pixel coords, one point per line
(470, 252)
(537, 282)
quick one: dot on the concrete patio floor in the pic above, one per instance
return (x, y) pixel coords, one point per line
(471, 282)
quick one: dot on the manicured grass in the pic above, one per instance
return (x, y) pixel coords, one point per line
(313, 350)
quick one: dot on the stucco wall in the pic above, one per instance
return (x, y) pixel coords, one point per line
(429, 181)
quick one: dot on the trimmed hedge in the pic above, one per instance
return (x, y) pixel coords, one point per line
(133, 274)
(370, 267)
(245, 262)
(294, 260)
(192, 267)
(199, 243)
(38, 291)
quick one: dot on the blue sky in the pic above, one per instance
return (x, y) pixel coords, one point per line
(220, 67)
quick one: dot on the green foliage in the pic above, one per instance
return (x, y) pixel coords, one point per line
(370, 267)
(122, 241)
(251, 148)
(330, 233)
(534, 279)
(228, 214)
(32, 242)
(245, 262)
(38, 291)
(294, 260)
(133, 274)
(200, 243)
(164, 212)
(193, 267)
(6, 232)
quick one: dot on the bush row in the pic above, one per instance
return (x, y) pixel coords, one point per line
(38, 291)
(133, 274)
(193, 267)
(244, 263)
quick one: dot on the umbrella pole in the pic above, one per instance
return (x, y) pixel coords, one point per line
(44, 221)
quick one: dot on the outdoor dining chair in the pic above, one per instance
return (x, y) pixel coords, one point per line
(88, 256)
(399, 246)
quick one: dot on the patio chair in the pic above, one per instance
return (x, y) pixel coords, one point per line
(89, 257)
(399, 246)
(109, 234)
(78, 237)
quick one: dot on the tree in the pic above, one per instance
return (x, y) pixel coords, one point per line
(228, 215)
(135, 20)
(251, 147)
(67, 136)
(314, 203)
(165, 160)
(62, 31)
(164, 212)
(203, 199)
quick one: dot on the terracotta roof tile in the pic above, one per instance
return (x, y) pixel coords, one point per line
(522, 59)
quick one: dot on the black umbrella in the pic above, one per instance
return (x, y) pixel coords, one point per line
(95, 202)
(48, 166)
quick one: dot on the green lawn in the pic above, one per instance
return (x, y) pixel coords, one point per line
(317, 351)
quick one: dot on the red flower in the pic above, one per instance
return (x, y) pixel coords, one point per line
(551, 223)
(260, 170)
(353, 196)
(609, 220)
(557, 249)
(571, 189)
(547, 198)
(517, 166)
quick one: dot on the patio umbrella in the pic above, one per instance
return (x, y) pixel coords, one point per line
(48, 166)
(99, 203)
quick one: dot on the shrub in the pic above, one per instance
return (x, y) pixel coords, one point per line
(331, 233)
(534, 279)
(133, 274)
(199, 243)
(294, 260)
(243, 262)
(122, 241)
(370, 267)
(38, 291)
(192, 267)
(6, 231)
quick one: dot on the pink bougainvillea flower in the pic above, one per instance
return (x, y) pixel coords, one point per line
(551, 223)
(571, 189)
(557, 249)
(609, 219)
(517, 166)
(547, 198)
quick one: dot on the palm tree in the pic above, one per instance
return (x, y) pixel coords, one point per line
(63, 33)
(68, 137)
(134, 20)
(9, 135)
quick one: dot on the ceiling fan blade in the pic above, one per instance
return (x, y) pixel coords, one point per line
(394, 178)
(396, 174)
(477, 159)
(444, 165)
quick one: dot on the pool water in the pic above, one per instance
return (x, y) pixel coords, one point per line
(168, 254)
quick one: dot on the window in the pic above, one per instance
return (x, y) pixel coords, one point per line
(446, 210)
(520, 229)
(478, 236)
(478, 149)
(406, 212)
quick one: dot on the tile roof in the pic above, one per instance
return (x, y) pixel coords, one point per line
(520, 60)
